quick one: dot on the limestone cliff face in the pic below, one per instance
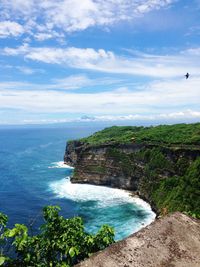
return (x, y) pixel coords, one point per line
(127, 166)
(96, 166)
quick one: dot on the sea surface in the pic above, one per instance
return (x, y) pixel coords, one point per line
(32, 175)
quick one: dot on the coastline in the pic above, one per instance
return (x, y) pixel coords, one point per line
(133, 194)
(152, 172)
(133, 210)
(136, 199)
(153, 207)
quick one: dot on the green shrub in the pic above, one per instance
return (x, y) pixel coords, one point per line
(96, 169)
(60, 243)
(180, 193)
(122, 160)
(177, 134)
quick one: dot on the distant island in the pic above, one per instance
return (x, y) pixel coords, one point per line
(161, 164)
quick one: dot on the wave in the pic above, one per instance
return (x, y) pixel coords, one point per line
(59, 165)
(104, 196)
(106, 205)
(46, 145)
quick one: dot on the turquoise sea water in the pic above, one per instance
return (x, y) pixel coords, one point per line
(32, 175)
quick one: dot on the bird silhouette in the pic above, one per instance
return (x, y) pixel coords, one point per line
(187, 75)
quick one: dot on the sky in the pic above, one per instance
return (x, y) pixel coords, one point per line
(99, 60)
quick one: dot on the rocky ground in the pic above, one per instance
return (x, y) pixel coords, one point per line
(171, 241)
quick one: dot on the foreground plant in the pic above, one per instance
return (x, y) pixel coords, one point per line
(60, 243)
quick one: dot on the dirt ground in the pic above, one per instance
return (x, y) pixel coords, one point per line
(171, 241)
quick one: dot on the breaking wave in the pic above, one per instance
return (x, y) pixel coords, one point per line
(59, 165)
(105, 205)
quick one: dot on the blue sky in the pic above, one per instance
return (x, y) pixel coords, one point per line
(98, 60)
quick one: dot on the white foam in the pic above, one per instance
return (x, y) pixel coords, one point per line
(59, 165)
(45, 145)
(104, 196)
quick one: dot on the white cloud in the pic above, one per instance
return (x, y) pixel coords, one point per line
(10, 29)
(80, 81)
(43, 36)
(181, 115)
(154, 98)
(167, 100)
(174, 117)
(72, 82)
(24, 69)
(157, 66)
(192, 51)
(42, 17)
(28, 71)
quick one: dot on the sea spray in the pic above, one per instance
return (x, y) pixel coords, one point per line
(104, 205)
(60, 165)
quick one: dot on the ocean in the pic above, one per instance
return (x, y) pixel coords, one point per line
(32, 175)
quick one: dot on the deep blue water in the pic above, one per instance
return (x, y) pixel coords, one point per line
(32, 175)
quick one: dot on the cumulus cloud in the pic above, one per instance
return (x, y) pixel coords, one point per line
(44, 17)
(157, 66)
(10, 29)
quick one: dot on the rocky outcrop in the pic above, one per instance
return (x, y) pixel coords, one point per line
(127, 166)
(172, 241)
(94, 165)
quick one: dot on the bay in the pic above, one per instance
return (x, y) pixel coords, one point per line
(32, 175)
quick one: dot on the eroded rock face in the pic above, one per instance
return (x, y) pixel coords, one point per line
(126, 166)
(172, 241)
(96, 166)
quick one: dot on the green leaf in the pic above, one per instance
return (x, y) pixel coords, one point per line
(12, 233)
(2, 260)
(3, 219)
(59, 239)
(72, 252)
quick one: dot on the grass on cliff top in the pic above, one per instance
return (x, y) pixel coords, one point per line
(186, 134)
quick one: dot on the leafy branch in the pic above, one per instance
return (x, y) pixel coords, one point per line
(61, 242)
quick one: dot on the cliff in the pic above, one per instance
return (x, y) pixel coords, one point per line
(165, 174)
(172, 241)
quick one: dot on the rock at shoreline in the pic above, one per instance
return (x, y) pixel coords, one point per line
(172, 241)
(155, 172)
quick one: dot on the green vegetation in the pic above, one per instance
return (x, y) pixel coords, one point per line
(60, 243)
(181, 134)
(122, 160)
(96, 169)
(155, 159)
(172, 185)
(180, 192)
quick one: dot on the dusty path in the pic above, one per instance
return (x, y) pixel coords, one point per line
(172, 241)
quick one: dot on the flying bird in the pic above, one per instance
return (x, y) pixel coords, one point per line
(187, 75)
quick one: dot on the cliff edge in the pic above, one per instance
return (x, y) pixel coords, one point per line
(172, 241)
(160, 164)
